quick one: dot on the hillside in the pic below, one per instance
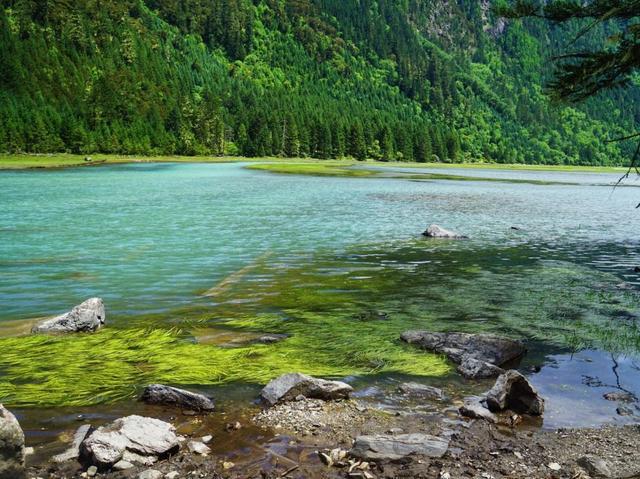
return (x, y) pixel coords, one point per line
(387, 79)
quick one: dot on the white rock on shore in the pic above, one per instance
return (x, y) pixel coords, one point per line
(12, 451)
(86, 317)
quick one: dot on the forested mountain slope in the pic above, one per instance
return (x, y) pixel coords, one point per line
(419, 80)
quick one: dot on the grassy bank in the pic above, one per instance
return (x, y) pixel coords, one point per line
(324, 167)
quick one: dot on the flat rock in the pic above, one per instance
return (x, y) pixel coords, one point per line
(74, 451)
(290, 386)
(392, 447)
(86, 317)
(170, 396)
(12, 451)
(472, 368)
(435, 231)
(422, 390)
(133, 438)
(470, 351)
(595, 466)
(474, 409)
(514, 392)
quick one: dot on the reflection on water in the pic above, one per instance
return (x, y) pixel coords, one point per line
(196, 261)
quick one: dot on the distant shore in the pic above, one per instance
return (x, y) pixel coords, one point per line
(50, 161)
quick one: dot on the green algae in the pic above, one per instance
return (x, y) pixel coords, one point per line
(336, 169)
(314, 300)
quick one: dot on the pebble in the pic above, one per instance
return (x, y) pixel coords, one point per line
(198, 447)
(206, 439)
(92, 471)
(123, 465)
(554, 466)
(150, 474)
(172, 475)
(228, 465)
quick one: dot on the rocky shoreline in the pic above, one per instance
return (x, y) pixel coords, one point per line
(313, 427)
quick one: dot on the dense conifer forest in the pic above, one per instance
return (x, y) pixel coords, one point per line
(408, 80)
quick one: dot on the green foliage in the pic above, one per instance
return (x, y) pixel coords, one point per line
(303, 78)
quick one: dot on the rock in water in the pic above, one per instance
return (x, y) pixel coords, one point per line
(478, 355)
(160, 394)
(290, 386)
(390, 447)
(74, 451)
(11, 446)
(435, 231)
(474, 409)
(513, 391)
(140, 438)
(472, 368)
(86, 317)
(422, 390)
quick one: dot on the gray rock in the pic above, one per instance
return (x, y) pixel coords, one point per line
(86, 317)
(150, 474)
(167, 395)
(74, 451)
(289, 386)
(464, 348)
(92, 471)
(595, 466)
(172, 475)
(132, 438)
(435, 231)
(271, 338)
(392, 447)
(474, 409)
(621, 396)
(11, 446)
(472, 368)
(513, 391)
(422, 390)
(123, 465)
(624, 411)
(198, 447)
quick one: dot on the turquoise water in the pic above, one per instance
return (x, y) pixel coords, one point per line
(151, 239)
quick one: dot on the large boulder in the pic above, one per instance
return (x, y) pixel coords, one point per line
(435, 231)
(170, 396)
(393, 447)
(135, 439)
(11, 446)
(514, 392)
(290, 386)
(86, 317)
(478, 355)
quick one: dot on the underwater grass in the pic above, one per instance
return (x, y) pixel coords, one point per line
(337, 169)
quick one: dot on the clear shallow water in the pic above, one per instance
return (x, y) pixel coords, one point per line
(301, 255)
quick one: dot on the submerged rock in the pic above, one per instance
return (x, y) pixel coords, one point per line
(621, 396)
(12, 450)
(134, 439)
(289, 386)
(477, 354)
(167, 395)
(86, 317)
(271, 338)
(392, 447)
(514, 392)
(371, 315)
(422, 390)
(435, 231)
(74, 451)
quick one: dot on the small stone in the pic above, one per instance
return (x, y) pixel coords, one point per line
(620, 396)
(123, 465)
(624, 411)
(29, 451)
(172, 475)
(198, 448)
(206, 439)
(228, 465)
(92, 471)
(554, 466)
(150, 474)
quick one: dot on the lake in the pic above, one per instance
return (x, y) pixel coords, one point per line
(195, 261)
